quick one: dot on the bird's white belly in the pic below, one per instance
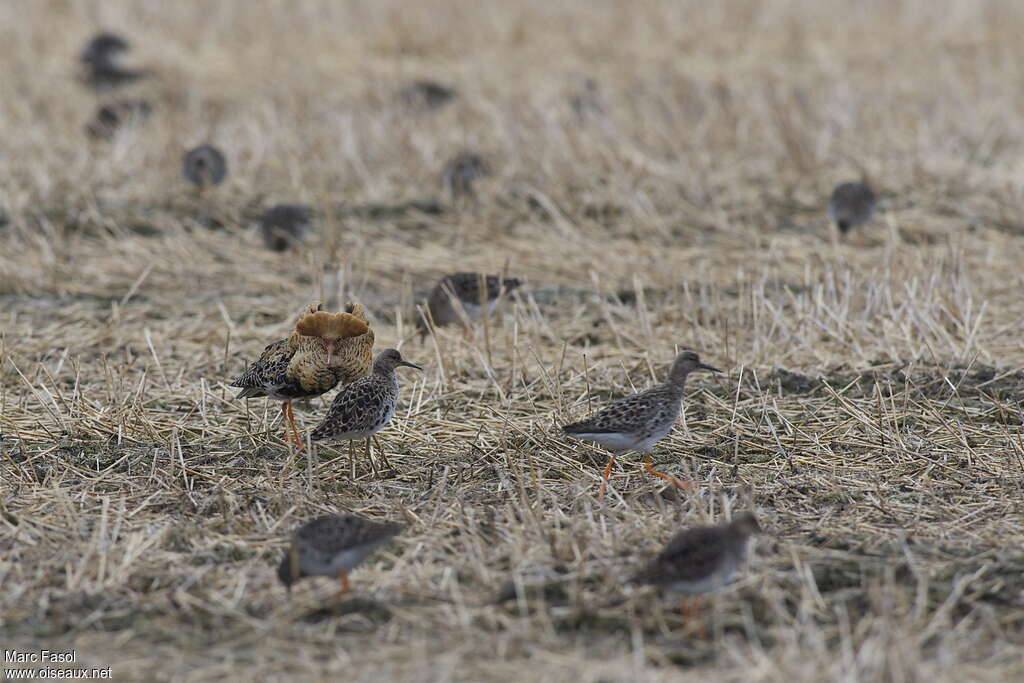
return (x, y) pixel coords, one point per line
(706, 585)
(344, 561)
(647, 444)
(619, 442)
(472, 310)
(615, 442)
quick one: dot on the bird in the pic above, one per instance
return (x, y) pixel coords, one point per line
(100, 58)
(586, 102)
(457, 297)
(701, 559)
(425, 94)
(323, 350)
(333, 545)
(110, 117)
(362, 408)
(637, 422)
(459, 174)
(851, 204)
(284, 226)
(204, 166)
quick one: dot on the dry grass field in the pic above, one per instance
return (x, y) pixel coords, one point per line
(870, 410)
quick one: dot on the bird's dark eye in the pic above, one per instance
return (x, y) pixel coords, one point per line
(350, 308)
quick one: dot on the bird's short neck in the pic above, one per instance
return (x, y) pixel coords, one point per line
(385, 371)
(676, 381)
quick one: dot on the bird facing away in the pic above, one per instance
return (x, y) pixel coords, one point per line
(284, 226)
(323, 350)
(457, 297)
(586, 102)
(100, 59)
(851, 204)
(204, 166)
(426, 94)
(701, 559)
(637, 422)
(459, 174)
(110, 117)
(333, 545)
(362, 408)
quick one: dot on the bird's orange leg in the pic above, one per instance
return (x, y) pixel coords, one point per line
(649, 468)
(296, 439)
(284, 422)
(369, 457)
(380, 452)
(604, 477)
(343, 580)
(690, 609)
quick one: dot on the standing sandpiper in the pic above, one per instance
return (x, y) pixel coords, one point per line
(204, 166)
(362, 408)
(333, 545)
(851, 204)
(701, 559)
(457, 297)
(323, 350)
(284, 226)
(100, 58)
(637, 422)
(111, 117)
(426, 94)
(459, 174)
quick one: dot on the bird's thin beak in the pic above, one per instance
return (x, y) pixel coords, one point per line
(409, 365)
(330, 351)
(705, 366)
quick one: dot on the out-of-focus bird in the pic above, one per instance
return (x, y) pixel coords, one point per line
(459, 174)
(100, 59)
(110, 118)
(457, 297)
(426, 94)
(851, 204)
(322, 351)
(364, 407)
(204, 166)
(284, 226)
(701, 559)
(587, 102)
(639, 421)
(333, 545)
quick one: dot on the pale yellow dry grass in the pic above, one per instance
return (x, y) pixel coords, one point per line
(870, 412)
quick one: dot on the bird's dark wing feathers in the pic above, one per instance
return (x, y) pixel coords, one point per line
(268, 369)
(692, 554)
(357, 407)
(610, 419)
(332, 533)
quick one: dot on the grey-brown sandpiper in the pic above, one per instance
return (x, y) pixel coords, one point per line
(333, 545)
(637, 422)
(111, 117)
(284, 226)
(364, 407)
(851, 204)
(458, 297)
(101, 60)
(426, 94)
(204, 166)
(701, 559)
(459, 174)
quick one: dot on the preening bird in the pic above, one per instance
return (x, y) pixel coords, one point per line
(323, 350)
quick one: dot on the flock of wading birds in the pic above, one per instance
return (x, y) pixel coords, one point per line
(327, 350)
